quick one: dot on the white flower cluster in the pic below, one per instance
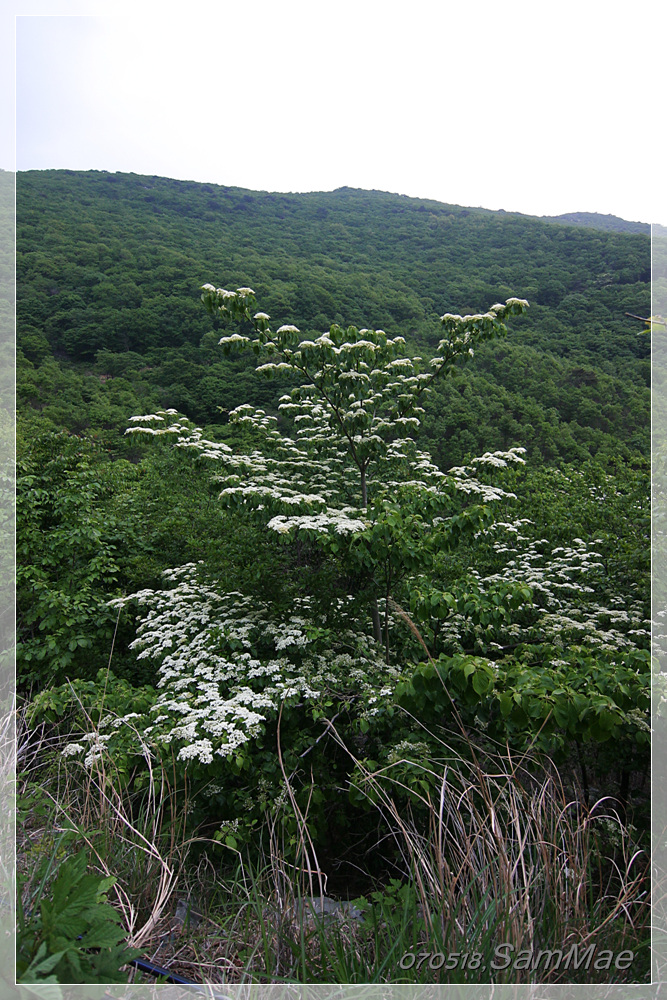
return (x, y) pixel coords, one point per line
(561, 578)
(226, 665)
(95, 750)
(501, 458)
(409, 751)
(337, 520)
(187, 435)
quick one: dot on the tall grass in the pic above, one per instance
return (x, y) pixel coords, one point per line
(500, 855)
(488, 850)
(138, 838)
(7, 833)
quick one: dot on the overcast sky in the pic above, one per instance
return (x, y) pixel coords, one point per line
(529, 107)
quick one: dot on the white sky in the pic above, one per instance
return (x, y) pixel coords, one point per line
(531, 107)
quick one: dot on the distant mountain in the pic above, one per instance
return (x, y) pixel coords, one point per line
(594, 220)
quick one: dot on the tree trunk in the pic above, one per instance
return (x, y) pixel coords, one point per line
(375, 614)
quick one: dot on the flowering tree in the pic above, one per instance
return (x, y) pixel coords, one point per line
(516, 633)
(351, 477)
(359, 390)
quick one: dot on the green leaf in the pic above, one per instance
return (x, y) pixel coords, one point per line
(505, 704)
(481, 682)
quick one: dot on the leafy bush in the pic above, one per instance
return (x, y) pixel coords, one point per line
(71, 934)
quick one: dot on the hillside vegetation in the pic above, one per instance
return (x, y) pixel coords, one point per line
(109, 268)
(332, 578)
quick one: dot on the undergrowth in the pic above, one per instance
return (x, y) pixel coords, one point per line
(488, 857)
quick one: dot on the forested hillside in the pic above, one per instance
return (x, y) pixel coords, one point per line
(332, 577)
(109, 268)
(597, 221)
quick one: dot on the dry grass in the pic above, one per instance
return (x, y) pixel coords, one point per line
(136, 839)
(500, 854)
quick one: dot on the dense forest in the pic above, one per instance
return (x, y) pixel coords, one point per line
(333, 516)
(109, 320)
